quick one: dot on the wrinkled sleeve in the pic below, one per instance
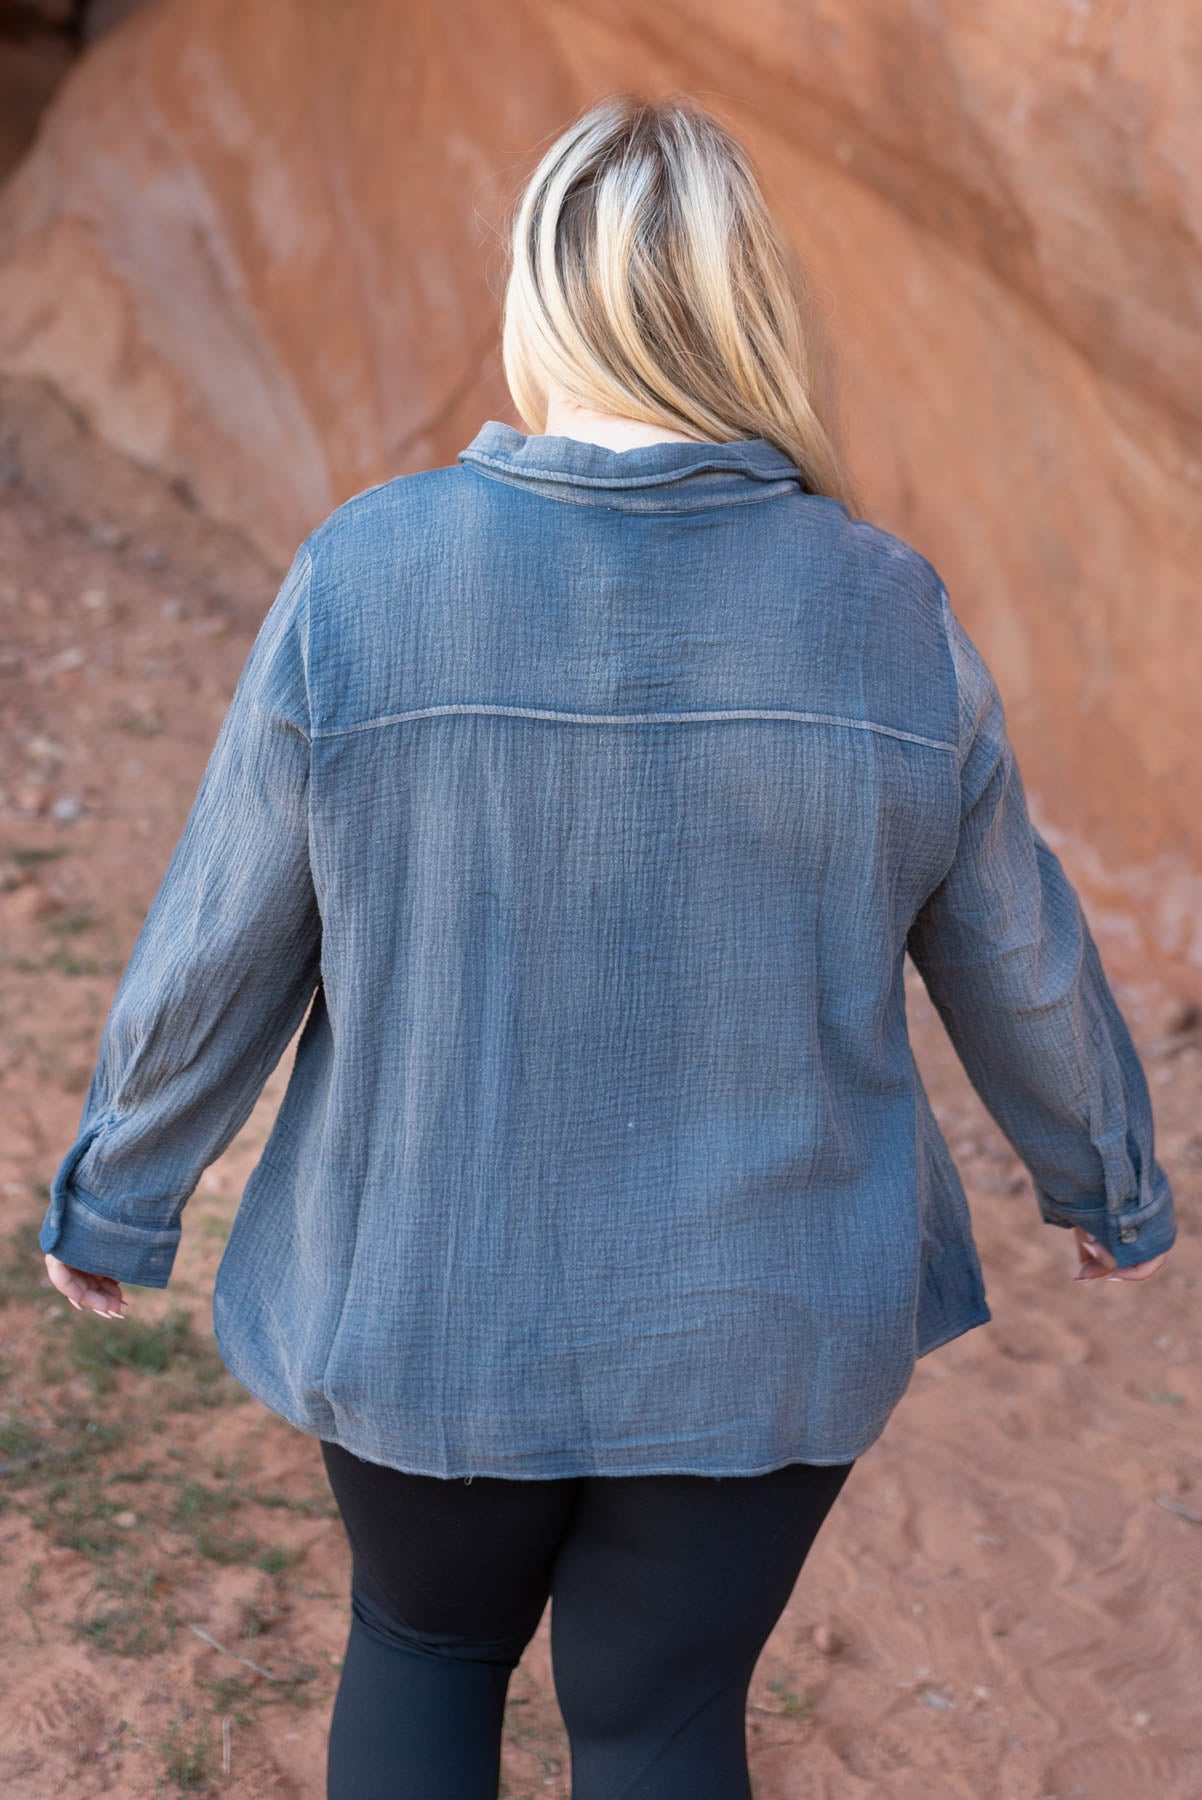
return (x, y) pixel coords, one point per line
(220, 976)
(1010, 964)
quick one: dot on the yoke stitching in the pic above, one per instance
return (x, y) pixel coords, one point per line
(647, 718)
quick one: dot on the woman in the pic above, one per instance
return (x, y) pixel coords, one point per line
(587, 795)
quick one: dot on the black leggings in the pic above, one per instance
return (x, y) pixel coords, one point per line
(664, 1590)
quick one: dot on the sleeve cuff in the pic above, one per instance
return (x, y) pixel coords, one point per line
(1132, 1234)
(77, 1232)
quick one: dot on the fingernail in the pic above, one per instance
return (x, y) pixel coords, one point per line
(1114, 1278)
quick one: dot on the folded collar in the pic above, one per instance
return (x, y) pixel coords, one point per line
(666, 476)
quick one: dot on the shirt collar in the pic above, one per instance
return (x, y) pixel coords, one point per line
(667, 476)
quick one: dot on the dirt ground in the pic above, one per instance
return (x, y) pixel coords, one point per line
(1004, 1604)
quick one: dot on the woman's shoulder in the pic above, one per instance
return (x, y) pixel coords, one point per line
(383, 507)
(886, 556)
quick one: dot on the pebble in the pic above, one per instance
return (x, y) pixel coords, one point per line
(31, 800)
(1177, 1027)
(72, 658)
(45, 749)
(1181, 1015)
(67, 806)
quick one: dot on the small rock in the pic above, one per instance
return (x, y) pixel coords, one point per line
(72, 658)
(45, 749)
(32, 800)
(66, 807)
(1182, 1015)
(1179, 1509)
(1177, 1026)
(96, 599)
(126, 1520)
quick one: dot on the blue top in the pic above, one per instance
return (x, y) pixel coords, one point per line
(587, 802)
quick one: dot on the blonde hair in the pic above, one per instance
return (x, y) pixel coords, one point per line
(648, 279)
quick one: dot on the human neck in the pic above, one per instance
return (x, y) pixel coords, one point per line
(566, 419)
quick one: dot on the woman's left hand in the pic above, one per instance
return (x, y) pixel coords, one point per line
(93, 1293)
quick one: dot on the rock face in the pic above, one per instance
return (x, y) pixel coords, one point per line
(257, 248)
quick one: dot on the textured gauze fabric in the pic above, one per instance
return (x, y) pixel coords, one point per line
(582, 806)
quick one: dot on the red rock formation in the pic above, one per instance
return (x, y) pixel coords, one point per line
(256, 247)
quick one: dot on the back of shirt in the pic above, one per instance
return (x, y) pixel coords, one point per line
(627, 780)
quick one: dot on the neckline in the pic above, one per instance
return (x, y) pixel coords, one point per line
(696, 472)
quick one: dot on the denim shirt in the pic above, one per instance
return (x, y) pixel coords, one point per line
(583, 805)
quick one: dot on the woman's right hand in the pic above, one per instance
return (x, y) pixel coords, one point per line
(1097, 1263)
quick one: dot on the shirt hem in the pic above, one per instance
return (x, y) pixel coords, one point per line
(377, 1447)
(372, 1445)
(980, 1315)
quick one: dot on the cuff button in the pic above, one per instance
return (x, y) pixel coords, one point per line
(1128, 1234)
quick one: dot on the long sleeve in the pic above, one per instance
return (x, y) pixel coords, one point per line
(220, 976)
(1010, 964)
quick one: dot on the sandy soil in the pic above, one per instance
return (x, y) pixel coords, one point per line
(1004, 1605)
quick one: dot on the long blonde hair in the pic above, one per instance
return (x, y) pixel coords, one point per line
(648, 279)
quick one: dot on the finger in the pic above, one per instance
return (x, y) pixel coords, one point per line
(100, 1303)
(1092, 1270)
(93, 1293)
(1140, 1271)
(86, 1294)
